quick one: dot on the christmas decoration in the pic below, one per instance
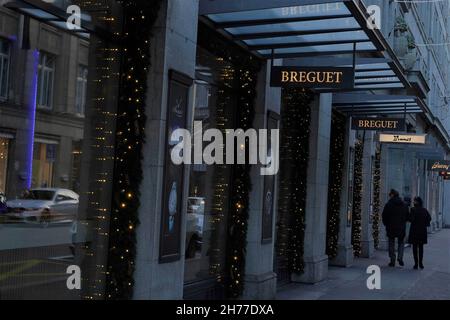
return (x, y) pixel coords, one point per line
(357, 197)
(376, 199)
(336, 169)
(294, 152)
(139, 17)
(240, 81)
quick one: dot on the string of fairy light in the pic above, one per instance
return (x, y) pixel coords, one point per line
(237, 85)
(139, 17)
(221, 183)
(294, 153)
(357, 197)
(336, 169)
(376, 199)
(101, 150)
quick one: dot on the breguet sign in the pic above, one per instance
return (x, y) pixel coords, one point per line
(313, 77)
(403, 138)
(439, 165)
(378, 124)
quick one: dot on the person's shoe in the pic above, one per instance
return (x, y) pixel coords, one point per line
(421, 266)
(391, 264)
(415, 267)
(400, 262)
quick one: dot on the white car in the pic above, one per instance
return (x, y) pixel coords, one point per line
(44, 205)
(194, 225)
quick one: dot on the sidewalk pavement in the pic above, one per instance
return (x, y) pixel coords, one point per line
(396, 283)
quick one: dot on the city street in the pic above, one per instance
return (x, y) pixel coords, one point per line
(396, 283)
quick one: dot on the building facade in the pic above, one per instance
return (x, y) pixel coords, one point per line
(75, 106)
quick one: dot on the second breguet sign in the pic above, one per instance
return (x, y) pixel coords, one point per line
(313, 77)
(378, 124)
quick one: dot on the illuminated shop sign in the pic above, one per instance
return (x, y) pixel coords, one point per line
(378, 124)
(403, 138)
(313, 77)
(439, 165)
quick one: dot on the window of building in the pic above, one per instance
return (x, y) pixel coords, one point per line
(4, 68)
(80, 103)
(43, 165)
(45, 81)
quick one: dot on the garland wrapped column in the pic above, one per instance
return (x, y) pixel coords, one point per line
(337, 150)
(294, 155)
(357, 198)
(239, 80)
(376, 199)
(139, 17)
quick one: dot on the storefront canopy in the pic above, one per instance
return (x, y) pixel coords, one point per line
(319, 30)
(292, 28)
(53, 14)
(367, 104)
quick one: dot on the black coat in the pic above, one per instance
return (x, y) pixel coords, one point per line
(420, 219)
(395, 215)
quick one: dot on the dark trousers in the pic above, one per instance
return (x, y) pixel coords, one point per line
(401, 247)
(418, 253)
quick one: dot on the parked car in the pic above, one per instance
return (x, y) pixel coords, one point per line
(194, 225)
(44, 205)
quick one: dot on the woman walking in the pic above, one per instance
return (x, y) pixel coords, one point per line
(420, 219)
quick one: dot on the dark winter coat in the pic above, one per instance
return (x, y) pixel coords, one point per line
(395, 215)
(420, 219)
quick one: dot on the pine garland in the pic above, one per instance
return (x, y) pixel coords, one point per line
(376, 199)
(294, 151)
(139, 17)
(336, 169)
(357, 198)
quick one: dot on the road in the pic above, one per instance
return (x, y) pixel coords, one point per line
(34, 260)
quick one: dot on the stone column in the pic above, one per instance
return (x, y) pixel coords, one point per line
(367, 242)
(316, 261)
(260, 279)
(345, 255)
(174, 47)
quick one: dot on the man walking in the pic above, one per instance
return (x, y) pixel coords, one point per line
(394, 216)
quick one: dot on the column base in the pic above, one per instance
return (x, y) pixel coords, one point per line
(344, 257)
(260, 287)
(316, 269)
(367, 249)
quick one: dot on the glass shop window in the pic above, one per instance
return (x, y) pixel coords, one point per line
(208, 201)
(44, 158)
(52, 183)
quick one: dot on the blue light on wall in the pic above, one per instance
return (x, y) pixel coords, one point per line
(32, 115)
